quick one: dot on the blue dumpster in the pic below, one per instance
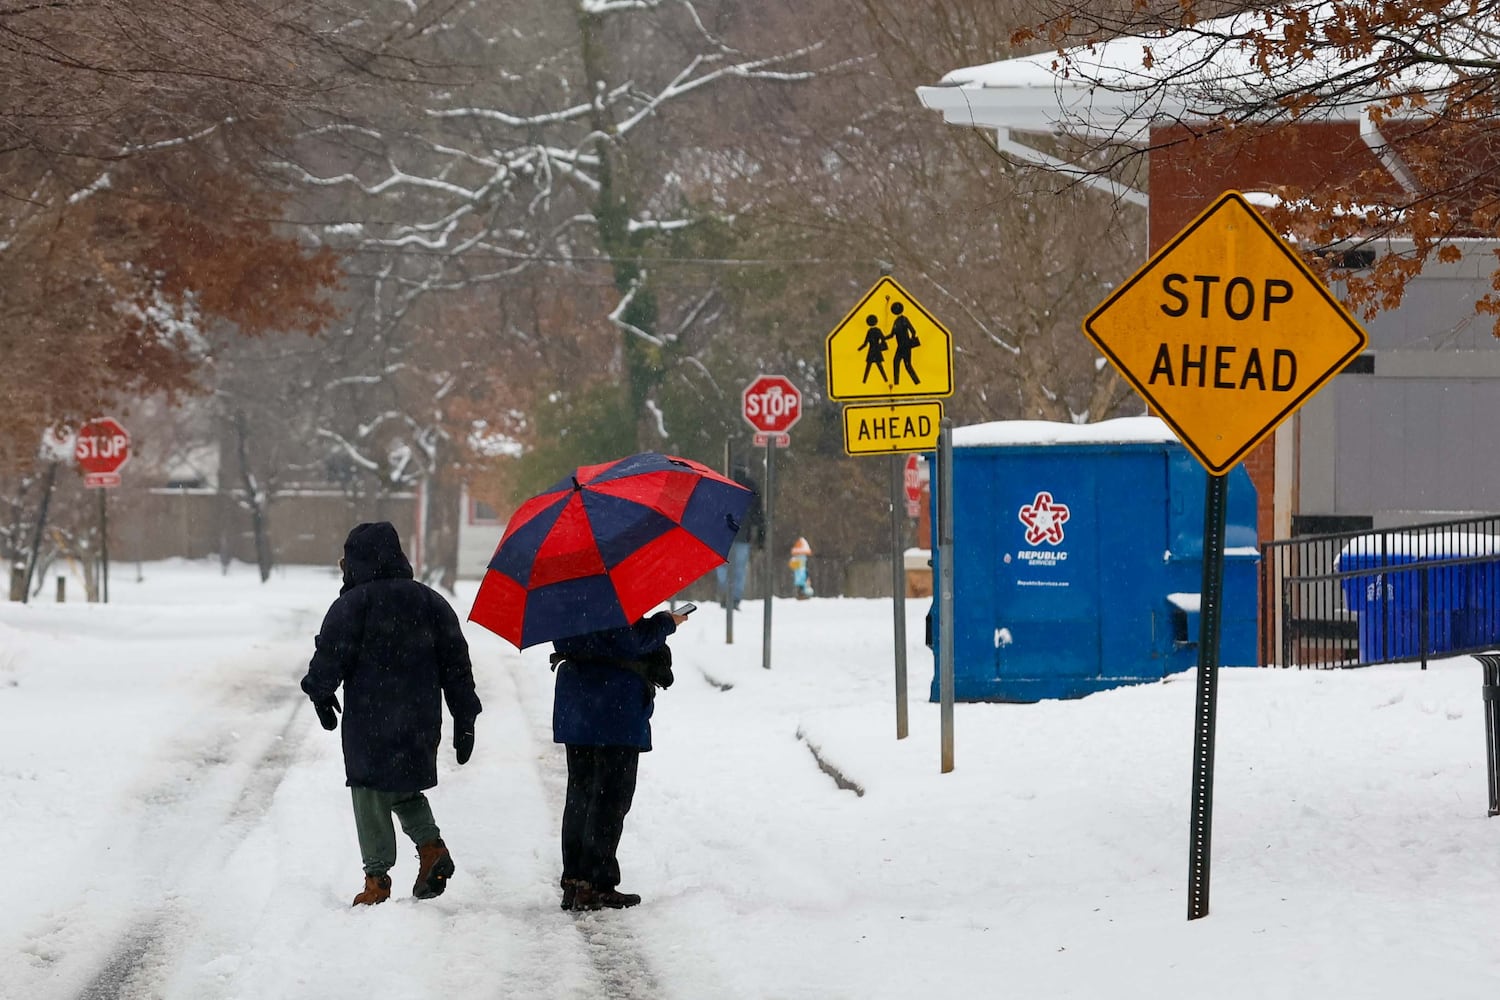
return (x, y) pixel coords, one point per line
(1078, 559)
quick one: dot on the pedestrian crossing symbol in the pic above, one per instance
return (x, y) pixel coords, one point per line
(889, 346)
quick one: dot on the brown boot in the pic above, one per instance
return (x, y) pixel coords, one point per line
(435, 868)
(377, 890)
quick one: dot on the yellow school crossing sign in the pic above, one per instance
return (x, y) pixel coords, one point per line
(889, 346)
(1225, 332)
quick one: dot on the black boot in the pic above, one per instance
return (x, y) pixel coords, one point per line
(589, 898)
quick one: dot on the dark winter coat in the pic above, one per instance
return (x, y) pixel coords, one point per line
(600, 702)
(753, 524)
(396, 647)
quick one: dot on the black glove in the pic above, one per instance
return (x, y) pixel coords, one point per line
(661, 676)
(463, 740)
(659, 667)
(327, 712)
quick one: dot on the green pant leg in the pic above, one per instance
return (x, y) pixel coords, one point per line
(376, 832)
(415, 814)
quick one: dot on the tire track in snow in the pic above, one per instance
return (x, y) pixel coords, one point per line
(621, 970)
(119, 979)
(144, 954)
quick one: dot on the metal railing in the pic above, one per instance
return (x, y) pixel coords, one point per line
(1354, 598)
(1490, 664)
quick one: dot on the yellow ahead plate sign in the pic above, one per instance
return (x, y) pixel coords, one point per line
(889, 346)
(1225, 332)
(891, 428)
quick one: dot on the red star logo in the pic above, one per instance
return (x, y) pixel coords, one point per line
(1044, 520)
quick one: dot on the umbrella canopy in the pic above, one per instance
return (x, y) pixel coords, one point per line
(605, 545)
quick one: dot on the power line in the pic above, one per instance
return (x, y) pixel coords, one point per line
(603, 259)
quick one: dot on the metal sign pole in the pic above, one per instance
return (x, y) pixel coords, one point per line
(728, 592)
(945, 589)
(1209, 613)
(103, 547)
(898, 587)
(765, 654)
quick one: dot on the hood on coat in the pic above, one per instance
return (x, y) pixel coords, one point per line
(373, 552)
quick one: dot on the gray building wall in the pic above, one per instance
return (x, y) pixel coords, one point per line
(1409, 434)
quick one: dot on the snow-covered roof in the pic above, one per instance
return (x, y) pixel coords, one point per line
(1194, 73)
(1122, 430)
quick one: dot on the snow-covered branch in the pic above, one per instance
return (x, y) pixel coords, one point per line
(617, 316)
(601, 7)
(578, 112)
(685, 82)
(348, 449)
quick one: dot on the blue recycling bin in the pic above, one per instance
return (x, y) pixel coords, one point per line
(1477, 624)
(1387, 600)
(1078, 560)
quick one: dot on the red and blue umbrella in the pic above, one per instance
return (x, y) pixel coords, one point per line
(605, 545)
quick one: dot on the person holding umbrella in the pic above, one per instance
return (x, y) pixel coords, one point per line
(601, 712)
(580, 565)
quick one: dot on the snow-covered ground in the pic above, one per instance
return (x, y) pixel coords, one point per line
(177, 824)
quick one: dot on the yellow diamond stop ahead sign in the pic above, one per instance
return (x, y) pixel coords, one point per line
(1225, 332)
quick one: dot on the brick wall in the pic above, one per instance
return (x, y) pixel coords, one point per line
(1261, 464)
(1183, 184)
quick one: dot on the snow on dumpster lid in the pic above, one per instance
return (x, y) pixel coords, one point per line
(1022, 432)
(1192, 603)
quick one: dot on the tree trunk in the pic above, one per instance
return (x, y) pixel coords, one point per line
(263, 554)
(41, 525)
(255, 501)
(443, 513)
(613, 211)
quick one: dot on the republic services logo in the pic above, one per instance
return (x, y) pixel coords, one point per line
(1044, 520)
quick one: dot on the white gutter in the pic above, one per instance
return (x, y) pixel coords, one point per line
(1372, 136)
(1120, 192)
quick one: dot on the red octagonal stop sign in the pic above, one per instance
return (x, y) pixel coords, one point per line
(911, 478)
(772, 404)
(102, 446)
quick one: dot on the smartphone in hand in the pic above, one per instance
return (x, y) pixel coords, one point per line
(686, 609)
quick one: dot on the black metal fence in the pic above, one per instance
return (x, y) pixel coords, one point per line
(1353, 598)
(1490, 663)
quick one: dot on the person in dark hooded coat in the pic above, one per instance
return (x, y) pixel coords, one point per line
(397, 648)
(601, 711)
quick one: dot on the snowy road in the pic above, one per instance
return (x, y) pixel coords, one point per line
(195, 836)
(179, 828)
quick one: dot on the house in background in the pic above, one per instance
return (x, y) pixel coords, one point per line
(479, 534)
(1400, 436)
(180, 497)
(153, 520)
